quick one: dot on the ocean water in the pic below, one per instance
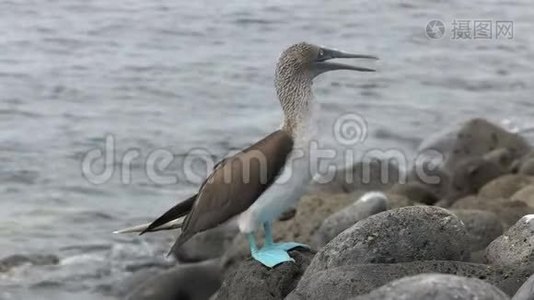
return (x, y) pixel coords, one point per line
(194, 79)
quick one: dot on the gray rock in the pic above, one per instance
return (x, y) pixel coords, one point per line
(367, 205)
(399, 235)
(501, 157)
(514, 167)
(527, 167)
(515, 246)
(353, 280)
(478, 137)
(526, 195)
(208, 244)
(374, 174)
(508, 211)
(251, 280)
(482, 227)
(415, 191)
(526, 291)
(121, 288)
(398, 201)
(435, 178)
(189, 281)
(478, 257)
(471, 174)
(17, 260)
(436, 286)
(505, 186)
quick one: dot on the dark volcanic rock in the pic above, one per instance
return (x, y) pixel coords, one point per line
(251, 280)
(436, 286)
(353, 280)
(478, 257)
(433, 177)
(208, 244)
(505, 186)
(369, 204)
(482, 227)
(374, 174)
(508, 211)
(121, 288)
(470, 175)
(415, 191)
(190, 281)
(14, 261)
(526, 291)
(478, 137)
(503, 158)
(515, 247)
(526, 195)
(399, 235)
(398, 201)
(527, 167)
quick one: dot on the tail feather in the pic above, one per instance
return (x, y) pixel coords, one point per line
(136, 228)
(178, 211)
(174, 224)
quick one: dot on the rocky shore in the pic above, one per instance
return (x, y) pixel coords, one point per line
(468, 236)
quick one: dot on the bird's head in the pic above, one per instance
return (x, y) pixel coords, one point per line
(306, 61)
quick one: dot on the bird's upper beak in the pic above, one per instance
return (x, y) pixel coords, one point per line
(321, 65)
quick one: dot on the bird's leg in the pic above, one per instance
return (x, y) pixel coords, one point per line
(268, 241)
(268, 233)
(252, 243)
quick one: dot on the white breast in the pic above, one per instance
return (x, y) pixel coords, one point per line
(290, 184)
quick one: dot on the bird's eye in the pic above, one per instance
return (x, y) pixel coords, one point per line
(321, 53)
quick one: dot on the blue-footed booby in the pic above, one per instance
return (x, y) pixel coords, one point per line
(259, 183)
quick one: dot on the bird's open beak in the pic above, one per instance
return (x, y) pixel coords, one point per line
(321, 65)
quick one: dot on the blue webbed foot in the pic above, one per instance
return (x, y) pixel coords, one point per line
(271, 256)
(275, 253)
(289, 246)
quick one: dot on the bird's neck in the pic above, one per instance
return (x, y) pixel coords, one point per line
(296, 99)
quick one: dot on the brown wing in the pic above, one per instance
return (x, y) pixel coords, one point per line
(236, 183)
